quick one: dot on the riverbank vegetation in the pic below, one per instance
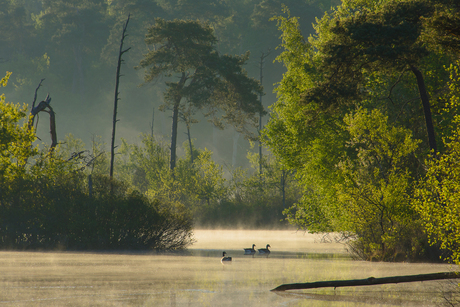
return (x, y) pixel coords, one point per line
(49, 199)
(362, 140)
(64, 199)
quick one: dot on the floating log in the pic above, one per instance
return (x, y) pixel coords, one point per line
(368, 281)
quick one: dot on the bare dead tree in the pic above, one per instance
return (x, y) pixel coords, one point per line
(32, 118)
(44, 106)
(261, 66)
(115, 107)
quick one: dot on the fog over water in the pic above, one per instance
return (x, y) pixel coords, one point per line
(196, 277)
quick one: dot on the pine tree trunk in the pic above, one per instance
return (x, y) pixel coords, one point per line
(190, 145)
(175, 121)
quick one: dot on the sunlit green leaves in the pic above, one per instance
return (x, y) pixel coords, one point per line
(348, 119)
(438, 200)
(377, 182)
(15, 138)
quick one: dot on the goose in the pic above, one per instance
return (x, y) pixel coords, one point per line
(264, 251)
(225, 259)
(250, 251)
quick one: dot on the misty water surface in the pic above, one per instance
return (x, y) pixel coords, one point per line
(197, 278)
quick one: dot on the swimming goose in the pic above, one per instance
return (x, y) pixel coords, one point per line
(264, 251)
(225, 259)
(250, 251)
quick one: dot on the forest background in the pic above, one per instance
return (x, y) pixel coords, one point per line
(346, 146)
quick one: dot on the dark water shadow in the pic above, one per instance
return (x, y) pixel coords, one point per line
(370, 300)
(273, 254)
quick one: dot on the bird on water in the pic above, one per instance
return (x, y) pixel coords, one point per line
(264, 251)
(250, 251)
(225, 259)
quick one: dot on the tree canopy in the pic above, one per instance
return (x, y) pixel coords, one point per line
(186, 51)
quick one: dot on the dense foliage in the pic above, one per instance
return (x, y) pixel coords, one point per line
(438, 193)
(359, 110)
(246, 199)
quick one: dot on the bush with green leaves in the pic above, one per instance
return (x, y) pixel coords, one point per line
(437, 195)
(45, 201)
(245, 200)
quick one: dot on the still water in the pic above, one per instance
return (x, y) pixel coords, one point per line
(196, 277)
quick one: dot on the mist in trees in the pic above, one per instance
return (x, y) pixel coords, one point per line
(360, 139)
(186, 51)
(73, 46)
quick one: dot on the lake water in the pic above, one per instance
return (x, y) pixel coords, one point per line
(196, 277)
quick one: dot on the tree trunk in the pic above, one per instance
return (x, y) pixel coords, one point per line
(90, 186)
(236, 136)
(175, 121)
(426, 107)
(115, 105)
(261, 66)
(190, 142)
(153, 122)
(283, 187)
(368, 281)
(52, 128)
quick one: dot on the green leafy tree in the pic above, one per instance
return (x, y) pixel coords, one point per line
(437, 194)
(359, 58)
(438, 202)
(209, 181)
(251, 202)
(362, 37)
(286, 133)
(301, 137)
(377, 186)
(15, 140)
(358, 42)
(144, 167)
(442, 30)
(186, 51)
(194, 184)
